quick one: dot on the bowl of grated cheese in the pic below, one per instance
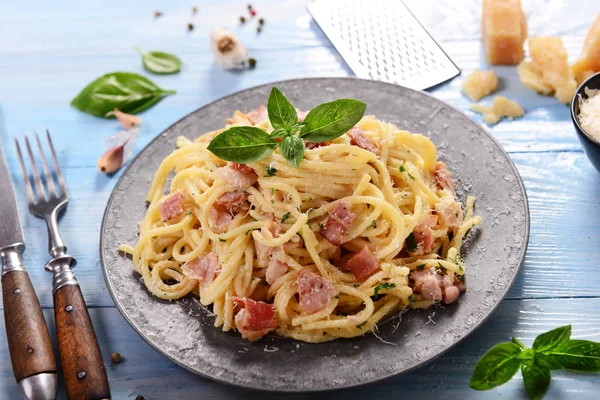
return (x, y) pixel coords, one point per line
(585, 112)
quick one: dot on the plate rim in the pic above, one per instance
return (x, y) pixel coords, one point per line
(476, 326)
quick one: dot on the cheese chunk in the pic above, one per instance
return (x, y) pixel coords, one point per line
(589, 61)
(501, 107)
(549, 70)
(503, 31)
(479, 84)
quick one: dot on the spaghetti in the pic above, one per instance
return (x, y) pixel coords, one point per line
(365, 227)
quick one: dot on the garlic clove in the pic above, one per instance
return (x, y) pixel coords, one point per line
(227, 49)
(127, 121)
(112, 159)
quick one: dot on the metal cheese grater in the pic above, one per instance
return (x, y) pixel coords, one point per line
(382, 40)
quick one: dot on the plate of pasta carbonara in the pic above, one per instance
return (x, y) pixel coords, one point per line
(358, 227)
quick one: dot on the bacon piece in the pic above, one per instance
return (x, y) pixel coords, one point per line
(202, 269)
(259, 115)
(234, 202)
(358, 138)
(442, 177)
(273, 258)
(219, 218)
(255, 319)
(363, 264)
(171, 206)
(337, 223)
(450, 213)
(312, 145)
(314, 291)
(424, 236)
(435, 287)
(239, 177)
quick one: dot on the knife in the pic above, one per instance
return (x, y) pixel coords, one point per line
(29, 345)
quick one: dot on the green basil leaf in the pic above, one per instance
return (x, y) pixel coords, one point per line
(330, 120)
(292, 149)
(536, 379)
(527, 356)
(544, 360)
(160, 62)
(496, 367)
(577, 355)
(552, 338)
(130, 93)
(279, 133)
(282, 113)
(242, 144)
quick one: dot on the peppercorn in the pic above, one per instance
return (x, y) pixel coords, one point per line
(194, 10)
(258, 29)
(157, 14)
(252, 62)
(261, 21)
(242, 19)
(190, 27)
(115, 358)
(249, 6)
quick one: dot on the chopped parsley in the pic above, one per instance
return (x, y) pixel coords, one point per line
(373, 224)
(301, 238)
(382, 286)
(411, 242)
(264, 283)
(271, 171)
(402, 169)
(355, 285)
(310, 199)
(360, 326)
(421, 266)
(411, 298)
(285, 217)
(272, 201)
(337, 296)
(456, 214)
(461, 267)
(441, 266)
(320, 225)
(222, 240)
(411, 177)
(188, 213)
(250, 230)
(272, 190)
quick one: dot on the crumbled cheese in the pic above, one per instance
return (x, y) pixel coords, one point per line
(501, 107)
(479, 84)
(549, 71)
(589, 113)
(503, 31)
(589, 61)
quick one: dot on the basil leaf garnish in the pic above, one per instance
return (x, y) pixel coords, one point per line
(577, 355)
(552, 338)
(130, 93)
(496, 367)
(331, 120)
(282, 113)
(279, 133)
(292, 149)
(242, 144)
(159, 62)
(536, 379)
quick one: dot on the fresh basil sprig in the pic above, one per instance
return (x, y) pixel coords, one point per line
(130, 93)
(323, 123)
(550, 351)
(159, 62)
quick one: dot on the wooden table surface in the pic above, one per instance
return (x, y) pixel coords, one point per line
(51, 50)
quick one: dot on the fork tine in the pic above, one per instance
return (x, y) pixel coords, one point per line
(26, 181)
(37, 180)
(59, 175)
(49, 178)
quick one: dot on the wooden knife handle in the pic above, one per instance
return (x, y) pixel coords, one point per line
(83, 370)
(29, 342)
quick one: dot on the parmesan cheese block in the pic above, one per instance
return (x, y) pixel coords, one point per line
(589, 61)
(501, 107)
(503, 31)
(479, 84)
(549, 71)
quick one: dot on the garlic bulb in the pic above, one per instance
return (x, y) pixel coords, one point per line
(228, 51)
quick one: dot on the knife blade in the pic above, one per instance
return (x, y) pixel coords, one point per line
(29, 345)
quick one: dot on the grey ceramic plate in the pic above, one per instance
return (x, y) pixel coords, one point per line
(183, 330)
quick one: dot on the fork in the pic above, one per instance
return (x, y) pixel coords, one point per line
(83, 370)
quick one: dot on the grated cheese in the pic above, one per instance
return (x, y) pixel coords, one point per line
(589, 113)
(479, 84)
(501, 107)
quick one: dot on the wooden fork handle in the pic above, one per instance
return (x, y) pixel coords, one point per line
(29, 342)
(83, 370)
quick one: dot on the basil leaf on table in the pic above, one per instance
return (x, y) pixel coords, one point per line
(130, 93)
(330, 120)
(159, 62)
(496, 367)
(536, 379)
(242, 144)
(552, 338)
(544, 360)
(282, 113)
(577, 355)
(292, 149)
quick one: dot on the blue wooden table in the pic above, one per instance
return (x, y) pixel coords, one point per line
(51, 50)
